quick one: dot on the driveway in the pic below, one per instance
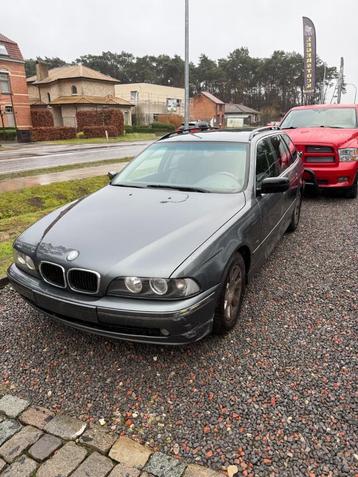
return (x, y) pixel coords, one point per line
(275, 396)
(37, 157)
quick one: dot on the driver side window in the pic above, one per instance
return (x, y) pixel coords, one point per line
(266, 161)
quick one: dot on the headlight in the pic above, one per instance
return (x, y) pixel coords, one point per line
(24, 262)
(171, 288)
(348, 154)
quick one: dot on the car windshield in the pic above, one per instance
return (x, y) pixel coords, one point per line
(193, 166)
(322, 117)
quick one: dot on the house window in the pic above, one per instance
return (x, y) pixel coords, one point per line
(4, 83)
(8, 109)
(172, 105)
(3, 50)
(49, 97)
(74, 89)
(134, 96)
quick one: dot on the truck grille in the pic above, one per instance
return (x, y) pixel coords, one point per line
(319, 154)
(320, 149)
(53, 274)
(84, 281)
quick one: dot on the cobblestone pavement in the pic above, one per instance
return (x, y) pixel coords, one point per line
(36, 442)
(275, 397)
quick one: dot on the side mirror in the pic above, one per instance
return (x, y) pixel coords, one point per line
(271, 185)
(111, 175)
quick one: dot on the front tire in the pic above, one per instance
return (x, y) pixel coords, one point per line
(295, 220)
(231, 296)
(352, 192)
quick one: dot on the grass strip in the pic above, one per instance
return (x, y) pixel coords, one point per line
(69, 167)
(34, 203)
(102, 140)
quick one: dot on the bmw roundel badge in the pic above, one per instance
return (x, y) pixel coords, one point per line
(72, 255)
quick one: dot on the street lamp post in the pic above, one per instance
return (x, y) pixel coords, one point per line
(186, 102)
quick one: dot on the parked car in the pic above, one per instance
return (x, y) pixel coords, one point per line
(327, 137)
(163, 253)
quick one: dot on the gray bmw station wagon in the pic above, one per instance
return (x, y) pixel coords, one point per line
(164, 252)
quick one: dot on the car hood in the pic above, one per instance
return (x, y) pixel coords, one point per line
(127, 231)
(331, 136)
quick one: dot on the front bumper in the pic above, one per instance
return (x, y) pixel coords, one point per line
(184, 321)
(341, 175)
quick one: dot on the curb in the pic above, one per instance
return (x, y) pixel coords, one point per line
(25, 426)
(3, 282)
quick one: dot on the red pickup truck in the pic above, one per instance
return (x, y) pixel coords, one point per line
(327, 137)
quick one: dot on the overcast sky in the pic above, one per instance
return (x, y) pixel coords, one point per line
(69, 29)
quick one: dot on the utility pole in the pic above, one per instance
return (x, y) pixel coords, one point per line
(323, 92)
(186, 102)
(340, 82)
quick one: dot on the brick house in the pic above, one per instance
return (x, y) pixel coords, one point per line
(71, 88)
(14, 100)
(207, 107)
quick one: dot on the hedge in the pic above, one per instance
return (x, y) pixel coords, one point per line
(51, 134)
(42, 118)
(99, 131)
(107, 118)
(7, 134)
(163, 126)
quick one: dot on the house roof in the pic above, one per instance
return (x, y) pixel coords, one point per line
(93, 100)
(212, 98)
(12, 49)
(231, 108)
(72, 71)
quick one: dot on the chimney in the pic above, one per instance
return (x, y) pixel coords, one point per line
(41, 70)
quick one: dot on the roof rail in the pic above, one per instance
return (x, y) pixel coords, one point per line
(257, 131)
(191, 129)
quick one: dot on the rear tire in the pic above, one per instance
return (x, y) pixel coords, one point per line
(352, 192)
(296, 214)
(231, 296)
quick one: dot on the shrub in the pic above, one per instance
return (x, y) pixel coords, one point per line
(7, 134)
(100, 131)
(101, 118)
(42, 118)
(163, 127)
(52, 134)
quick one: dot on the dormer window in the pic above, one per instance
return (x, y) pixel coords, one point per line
(74, 89)
(3, 50)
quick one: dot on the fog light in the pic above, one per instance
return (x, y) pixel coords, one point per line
(164, 332)
(133, 284)
(342, 179)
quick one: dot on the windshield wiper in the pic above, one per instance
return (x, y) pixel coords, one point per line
(130, 185)
(332, 127)
(173, 187)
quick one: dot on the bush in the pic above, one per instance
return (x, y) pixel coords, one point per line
(7, 134)
(99, 131)
(163, 127)
(105, 118)
(52, 134)
(41, 118)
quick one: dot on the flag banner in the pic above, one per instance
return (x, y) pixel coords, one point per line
(309, 43)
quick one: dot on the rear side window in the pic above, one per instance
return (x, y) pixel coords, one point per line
(291, 148)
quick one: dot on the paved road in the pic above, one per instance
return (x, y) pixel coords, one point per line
(19, 183)
(37, 157)
(275, 396)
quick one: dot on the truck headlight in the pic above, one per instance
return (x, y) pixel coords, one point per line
(165, 288)
(348, 154)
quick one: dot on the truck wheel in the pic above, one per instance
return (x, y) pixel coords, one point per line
(351, 193)
(232, 293)
(296, 213)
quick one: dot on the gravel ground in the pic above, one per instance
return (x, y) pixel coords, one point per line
(275, 397)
